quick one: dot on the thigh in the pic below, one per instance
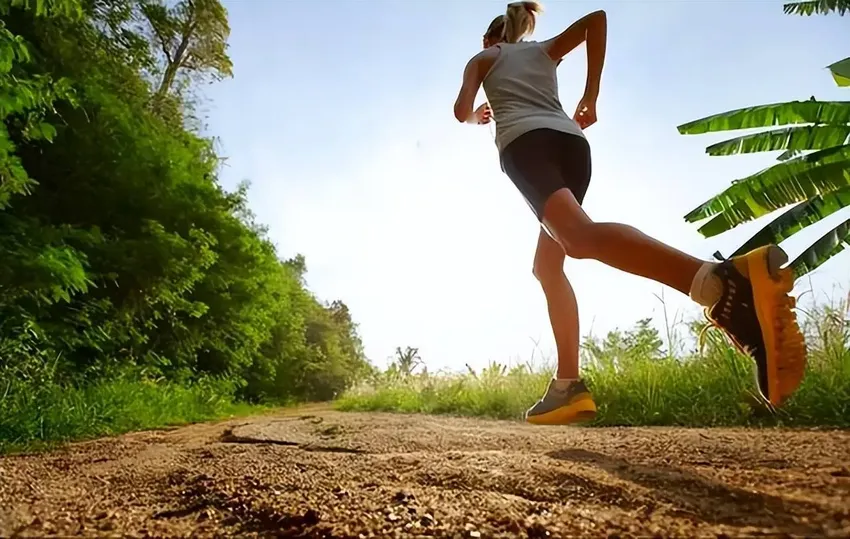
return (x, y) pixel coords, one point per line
(534, 167)
(564, 218)
(574, 164)
(544, 161)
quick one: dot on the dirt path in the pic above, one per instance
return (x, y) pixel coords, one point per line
(318, 473)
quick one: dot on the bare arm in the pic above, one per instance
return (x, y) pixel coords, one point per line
(592, 28)
(472, 79)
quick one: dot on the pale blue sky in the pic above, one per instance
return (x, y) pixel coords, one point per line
(340, 114)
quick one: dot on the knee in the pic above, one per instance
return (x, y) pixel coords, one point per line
(548, 268)
(578, 248)
(576, 232)
(579, 242)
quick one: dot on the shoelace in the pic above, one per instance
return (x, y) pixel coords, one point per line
(713, 323)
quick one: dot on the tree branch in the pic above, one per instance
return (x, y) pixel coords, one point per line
(162, 44)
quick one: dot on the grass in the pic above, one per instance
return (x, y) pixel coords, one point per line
(38, 415)
(635, 381)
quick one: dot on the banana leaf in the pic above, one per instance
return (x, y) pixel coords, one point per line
(788, 154)
(841, 72)
(829, 245)
(756, 204)
(787, 113)
(797, 218)
(809, 137)
(776, 187)
(819, 7)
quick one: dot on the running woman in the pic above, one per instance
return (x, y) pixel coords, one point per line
(545, 154)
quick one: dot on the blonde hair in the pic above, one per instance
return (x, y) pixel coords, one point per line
(517, 22)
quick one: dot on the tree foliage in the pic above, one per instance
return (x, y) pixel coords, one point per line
(817, 7)
(813, 173)
(120, 250)
(192, 37)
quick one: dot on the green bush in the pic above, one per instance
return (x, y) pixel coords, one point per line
(121, 252)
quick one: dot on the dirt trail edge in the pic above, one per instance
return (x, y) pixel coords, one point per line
(321, 473)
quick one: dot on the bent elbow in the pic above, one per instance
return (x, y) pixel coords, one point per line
(598, 15)
(459, 114)
(598, 18)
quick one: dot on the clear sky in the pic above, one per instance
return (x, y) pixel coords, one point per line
(340, 115)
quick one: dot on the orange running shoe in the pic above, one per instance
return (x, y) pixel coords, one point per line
(572, 404)
(756, 312)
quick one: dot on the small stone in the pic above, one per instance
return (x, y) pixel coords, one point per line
(426, 520)
(311, 517)
(841, 472)
(474, 534)
(392, 517)
(403, 497)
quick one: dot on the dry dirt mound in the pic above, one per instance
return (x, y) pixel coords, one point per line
(326, 474)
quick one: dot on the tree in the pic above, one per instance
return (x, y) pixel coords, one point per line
(407, 360)
(813, 172)
(26, 99)
(192, 36)
(121, 253)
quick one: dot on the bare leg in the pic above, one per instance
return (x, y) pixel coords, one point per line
(561, 300)
(567, 398)
(617, 245)
(738, 294)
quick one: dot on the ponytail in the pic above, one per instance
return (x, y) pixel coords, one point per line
(520, 19)
(517, 22)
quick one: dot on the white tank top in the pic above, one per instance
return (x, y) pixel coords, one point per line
(522, 88)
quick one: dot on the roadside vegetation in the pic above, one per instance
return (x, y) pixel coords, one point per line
(135, 291)
(637, 378)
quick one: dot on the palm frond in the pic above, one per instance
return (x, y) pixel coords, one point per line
(807, 185)
(819, 7)
(788, 154)
(775, 187)
(797, 138)
(786, 113)
(817, 182)
(841, 72)
(797, 218)
(827, 246)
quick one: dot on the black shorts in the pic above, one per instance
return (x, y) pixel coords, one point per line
(544, 160)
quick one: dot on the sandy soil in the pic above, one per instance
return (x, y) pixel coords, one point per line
(319, 473)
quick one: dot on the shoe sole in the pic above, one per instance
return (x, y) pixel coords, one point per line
(580, 410)
(767, 275)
